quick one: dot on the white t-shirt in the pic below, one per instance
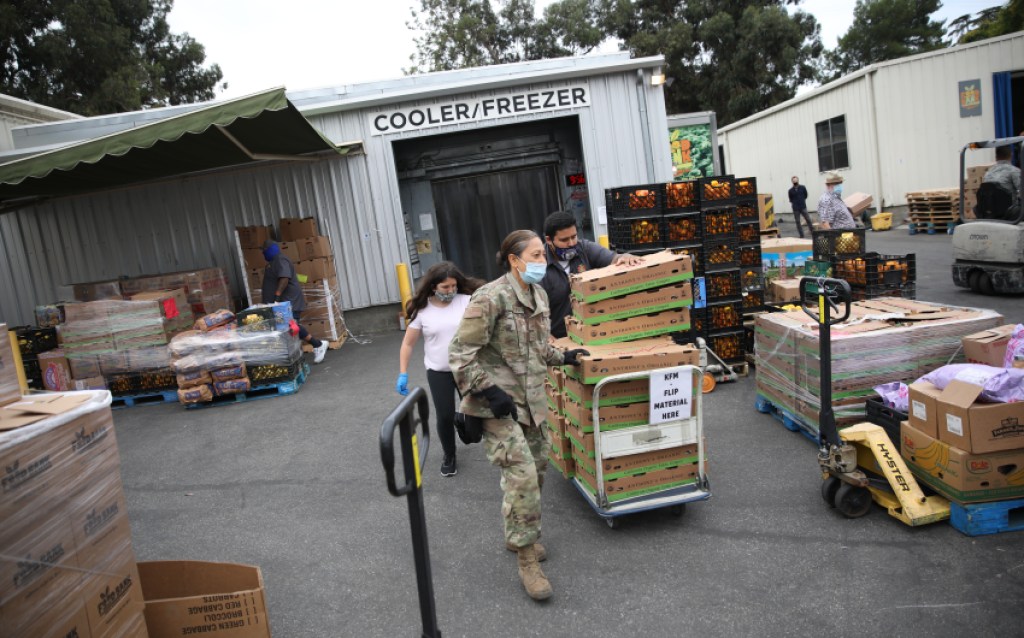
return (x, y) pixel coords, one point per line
(439, 326)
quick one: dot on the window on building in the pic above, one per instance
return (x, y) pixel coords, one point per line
(832, 151)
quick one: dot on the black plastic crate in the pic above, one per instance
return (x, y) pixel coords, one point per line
(745, 187)
(750, 257)
(839, 244)
(640, 233)
(717, 190)
(634, 201)
(863, 293)
(728, 345)
(753, 301)
(682, 229)
(872, 269)
(141, 382)
(272, 373)
(721, 253)
(722, 286)
(748, 337)
(752, 278)
(888, 418)
(719, 222)
(696, 254)
(747, 212)
(32, 340)
(749, 234)
(680, 197)
(723, 316)
(698, 318)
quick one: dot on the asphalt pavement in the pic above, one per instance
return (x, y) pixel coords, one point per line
(295, 485)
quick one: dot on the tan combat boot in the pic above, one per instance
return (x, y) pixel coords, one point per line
(542, 554)
(534, 580)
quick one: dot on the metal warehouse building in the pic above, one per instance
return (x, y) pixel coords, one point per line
(417, 169)
(889, 128)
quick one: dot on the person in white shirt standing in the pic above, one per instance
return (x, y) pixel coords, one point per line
(435, 311)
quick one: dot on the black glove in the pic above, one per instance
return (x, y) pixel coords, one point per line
(501, 403)
(570, 356)
(469, 428)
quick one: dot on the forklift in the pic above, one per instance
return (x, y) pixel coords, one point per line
(859, 464)
(988, 252)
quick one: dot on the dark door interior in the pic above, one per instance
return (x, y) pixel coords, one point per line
(475, 213)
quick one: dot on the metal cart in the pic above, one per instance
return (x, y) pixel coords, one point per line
(648, 438)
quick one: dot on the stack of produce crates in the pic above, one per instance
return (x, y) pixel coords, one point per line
(870, 275)
(622, 316)
(749, 233)
(32, 342)
(720, 289)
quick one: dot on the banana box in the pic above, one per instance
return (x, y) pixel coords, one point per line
(961, 476)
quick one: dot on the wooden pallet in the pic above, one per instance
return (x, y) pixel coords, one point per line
(987, 518)
(144, 398)
(935, 194)
(769, 232)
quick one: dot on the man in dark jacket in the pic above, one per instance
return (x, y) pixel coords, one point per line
(798, 199)
(568, 254)
(281, 284)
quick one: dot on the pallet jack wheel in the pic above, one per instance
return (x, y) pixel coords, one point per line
(677, 510)
(708, 384)
(612, 523)
(829, 487)
(853, 501)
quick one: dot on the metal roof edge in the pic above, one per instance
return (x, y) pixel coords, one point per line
(26, 108)
(498, 81)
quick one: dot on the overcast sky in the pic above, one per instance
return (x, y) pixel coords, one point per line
(305, 44)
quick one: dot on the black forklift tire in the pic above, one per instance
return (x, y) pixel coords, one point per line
(985, 284)
(853, 501)
(829, 487)
(972, 280)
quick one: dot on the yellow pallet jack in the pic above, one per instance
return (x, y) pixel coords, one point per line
(859, 464)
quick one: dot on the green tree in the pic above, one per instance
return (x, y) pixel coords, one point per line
(885, 30)
(100, 56)
(988, 23)
(730, 56)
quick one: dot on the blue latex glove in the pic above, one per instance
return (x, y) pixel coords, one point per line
(402, 384)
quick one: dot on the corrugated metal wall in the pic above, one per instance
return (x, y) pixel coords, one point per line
(918, 130)
(183, 224)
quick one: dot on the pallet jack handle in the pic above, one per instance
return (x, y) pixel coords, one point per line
(827, 301)
(404, 419)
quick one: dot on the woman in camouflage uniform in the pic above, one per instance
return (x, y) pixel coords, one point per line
(499, 357)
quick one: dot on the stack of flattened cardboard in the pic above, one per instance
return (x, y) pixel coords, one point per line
(968, 451)
(886, 339)
(622, 406)
(67, 566)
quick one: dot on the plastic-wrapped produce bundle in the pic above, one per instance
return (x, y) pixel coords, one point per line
(252, 348)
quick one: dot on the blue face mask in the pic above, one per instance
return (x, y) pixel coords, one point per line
(838, 189)
(271, 251)
(534, 272)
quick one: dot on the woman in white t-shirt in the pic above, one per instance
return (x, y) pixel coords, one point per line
(435, 312)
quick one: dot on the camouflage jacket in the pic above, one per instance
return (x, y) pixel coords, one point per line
(503, 341)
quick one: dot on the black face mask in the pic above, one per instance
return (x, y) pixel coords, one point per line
(564, 254)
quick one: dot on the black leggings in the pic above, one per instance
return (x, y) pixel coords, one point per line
(443, 391)
(303, 333)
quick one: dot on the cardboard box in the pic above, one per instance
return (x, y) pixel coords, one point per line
(325, 330)
(613, 417)
(97, 291)
(634, 356)
(313, 248)
(624, 487)
(988, 346)
(561, 447)
(657, 270)
(638, 303)
(113, 597)
(634, 464)
(959, 475)
(639, 327)
(289, 249)
(620, 393)
(222, 600)
(766, 210)
(68, 620)
(253, 258)
(84, 366)
(567, 467)
(293, 228)
(922, 408)
(858, 202)
(784, 258)
(10, 388)
(254, 236)
(316, 269)
(978, 427)
(90, 383)
(173, 304)
(785, 290)
(56, 370)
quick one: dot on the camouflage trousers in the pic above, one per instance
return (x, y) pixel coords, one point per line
(522, 454)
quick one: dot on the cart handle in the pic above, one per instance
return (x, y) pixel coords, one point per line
(828, 295)
(404, 418)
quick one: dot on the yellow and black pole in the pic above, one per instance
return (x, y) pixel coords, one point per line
(819, 298)
(412, 411)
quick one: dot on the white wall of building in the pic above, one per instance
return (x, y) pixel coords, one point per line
(903, 126)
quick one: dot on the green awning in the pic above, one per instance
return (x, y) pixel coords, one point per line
(260, 127)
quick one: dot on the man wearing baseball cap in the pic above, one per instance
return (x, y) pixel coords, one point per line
(832, 211)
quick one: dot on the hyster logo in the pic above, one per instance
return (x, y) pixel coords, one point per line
(979, 466)
(890, 462)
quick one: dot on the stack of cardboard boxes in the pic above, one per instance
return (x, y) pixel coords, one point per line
(971, 184)
(67, 567)
(968, 451)
(612, 320)
(315, 267)
(206, 290)
(783, 262)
